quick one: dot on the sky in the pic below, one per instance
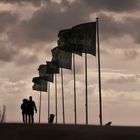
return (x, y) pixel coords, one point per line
(28, 32)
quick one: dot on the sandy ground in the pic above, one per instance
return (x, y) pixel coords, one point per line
(10, 131)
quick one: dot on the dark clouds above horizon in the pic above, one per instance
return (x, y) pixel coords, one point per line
(43, 25)
(109, 5)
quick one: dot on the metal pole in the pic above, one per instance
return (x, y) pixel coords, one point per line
(99, 73)
(48, 100)
(40, 107)
(63, 107)
(86, 90)
(56, 97)
(75, 110)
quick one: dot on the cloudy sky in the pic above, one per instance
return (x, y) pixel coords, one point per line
(28, 32)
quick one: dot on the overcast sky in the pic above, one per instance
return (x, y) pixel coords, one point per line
(28, 32)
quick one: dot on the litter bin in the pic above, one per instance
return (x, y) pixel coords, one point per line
(51, 118)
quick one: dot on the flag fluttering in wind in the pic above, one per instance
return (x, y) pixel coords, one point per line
(76, 40)
(64, 58)
(79, 39)
(39, 84)
(43, 73)
(52, 67)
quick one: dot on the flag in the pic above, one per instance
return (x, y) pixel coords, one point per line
(80, 38)
(36, 80)
(39, 84)
(52, 67)
(64, 58)
(66, 41)
(43, 73)
(41, 87)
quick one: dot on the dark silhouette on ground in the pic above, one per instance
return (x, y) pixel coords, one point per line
(51, 118)
(108, 124)
(31, 108)
(24, 108)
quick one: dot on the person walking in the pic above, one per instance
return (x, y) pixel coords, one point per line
(24, 108)
(31, 108)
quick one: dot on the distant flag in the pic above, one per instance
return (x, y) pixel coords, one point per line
(43, 73)
(39, 84)
(52, 67)
(64, 58)
(79, 39)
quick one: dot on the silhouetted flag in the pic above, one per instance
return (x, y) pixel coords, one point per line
(53, 67)
(66, 42)
(64, 58)
(79, 39)
(36, 80)
(39, 84)
(43, 73)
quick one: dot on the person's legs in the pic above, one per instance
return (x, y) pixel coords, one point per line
(29, 118)
(32, 118)
(26, 118)
(23, 117)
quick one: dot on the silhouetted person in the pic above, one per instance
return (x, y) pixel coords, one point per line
(31, 108)
(24, 108)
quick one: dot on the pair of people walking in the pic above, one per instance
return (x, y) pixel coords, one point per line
(28, 107)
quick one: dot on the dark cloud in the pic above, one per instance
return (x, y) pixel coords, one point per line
(112, 5)
(96, 5)
(34, 2)
(132, 25)
(7, 20)
(7, 53)
(112, 28)
(10, 54)
(45, 24)
(109, 27)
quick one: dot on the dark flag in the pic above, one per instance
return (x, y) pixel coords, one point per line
(66, 41)
(36, 80)
(52, 67)
(39, 84)
(64, 58)
(43, 73)
(79, 39)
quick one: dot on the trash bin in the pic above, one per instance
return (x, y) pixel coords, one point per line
(51, 118)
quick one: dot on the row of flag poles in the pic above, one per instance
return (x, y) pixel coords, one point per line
(82, 38)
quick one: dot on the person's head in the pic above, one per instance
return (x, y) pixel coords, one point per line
(30, 98)
(25, 100)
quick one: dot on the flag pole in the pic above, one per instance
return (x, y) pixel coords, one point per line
(56, 97)
(75, 109)
(63, 107)
(40, 107)
(86, 90)
(99, 74)
(48, 100)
